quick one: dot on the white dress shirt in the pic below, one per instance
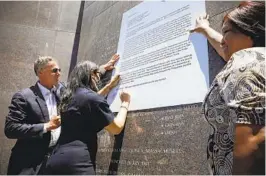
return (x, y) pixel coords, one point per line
(52, 109)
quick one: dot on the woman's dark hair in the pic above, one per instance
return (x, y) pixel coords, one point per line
(80, 77)
(249, 19)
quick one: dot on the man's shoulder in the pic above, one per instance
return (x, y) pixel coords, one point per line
(26, 92)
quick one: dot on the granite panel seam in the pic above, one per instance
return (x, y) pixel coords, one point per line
(42, 28)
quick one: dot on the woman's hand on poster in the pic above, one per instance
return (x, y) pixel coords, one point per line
(110, 64)
(125, 97)
(202, 22)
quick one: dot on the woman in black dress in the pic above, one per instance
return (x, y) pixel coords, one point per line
(84, 113)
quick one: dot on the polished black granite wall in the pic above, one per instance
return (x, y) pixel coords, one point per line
(169, 140)
(27, 30)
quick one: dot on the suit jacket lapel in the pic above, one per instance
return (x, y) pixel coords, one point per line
(57, 93)
(41, 101)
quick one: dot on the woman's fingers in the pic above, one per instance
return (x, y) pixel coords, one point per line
(203, 16)
(115, 58)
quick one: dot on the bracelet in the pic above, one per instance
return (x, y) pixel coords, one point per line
(124, 107)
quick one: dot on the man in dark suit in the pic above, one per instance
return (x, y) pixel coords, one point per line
(33, 118)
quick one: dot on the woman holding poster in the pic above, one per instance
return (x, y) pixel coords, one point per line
(235, 104)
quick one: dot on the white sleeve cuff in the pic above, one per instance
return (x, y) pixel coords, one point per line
(44, 128)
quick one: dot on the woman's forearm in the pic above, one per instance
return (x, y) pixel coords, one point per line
(247, 140)
(215, 39)
(122, 114)
(119, 121)
(105, 90)
(108, 87)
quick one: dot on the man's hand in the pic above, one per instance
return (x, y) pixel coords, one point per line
(54, 123)
(110, 64)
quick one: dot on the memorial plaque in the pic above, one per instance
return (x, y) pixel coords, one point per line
(156, 51)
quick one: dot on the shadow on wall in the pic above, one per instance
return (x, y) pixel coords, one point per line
(74, 55)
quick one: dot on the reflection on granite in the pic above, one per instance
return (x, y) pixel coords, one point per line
(216, 7)
(48, 14)
(88, 3)
(216, 63)
(69, 16)
(19, 13)
(158, 141)
(63, 51)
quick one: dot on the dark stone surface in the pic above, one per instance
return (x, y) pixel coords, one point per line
(169, 140)
(88, 3)
(2, 12)
(48, 14)
(100, 33)
(75, 48)
(29, 30)
(69, 16)
(101, 6)
(216, 21)
(18, 12)
(21, 46)
(63, 51)
(216, 63)
(95, 21)
(216, 7)
(87, 18)
(6, 145)
(161, 141)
